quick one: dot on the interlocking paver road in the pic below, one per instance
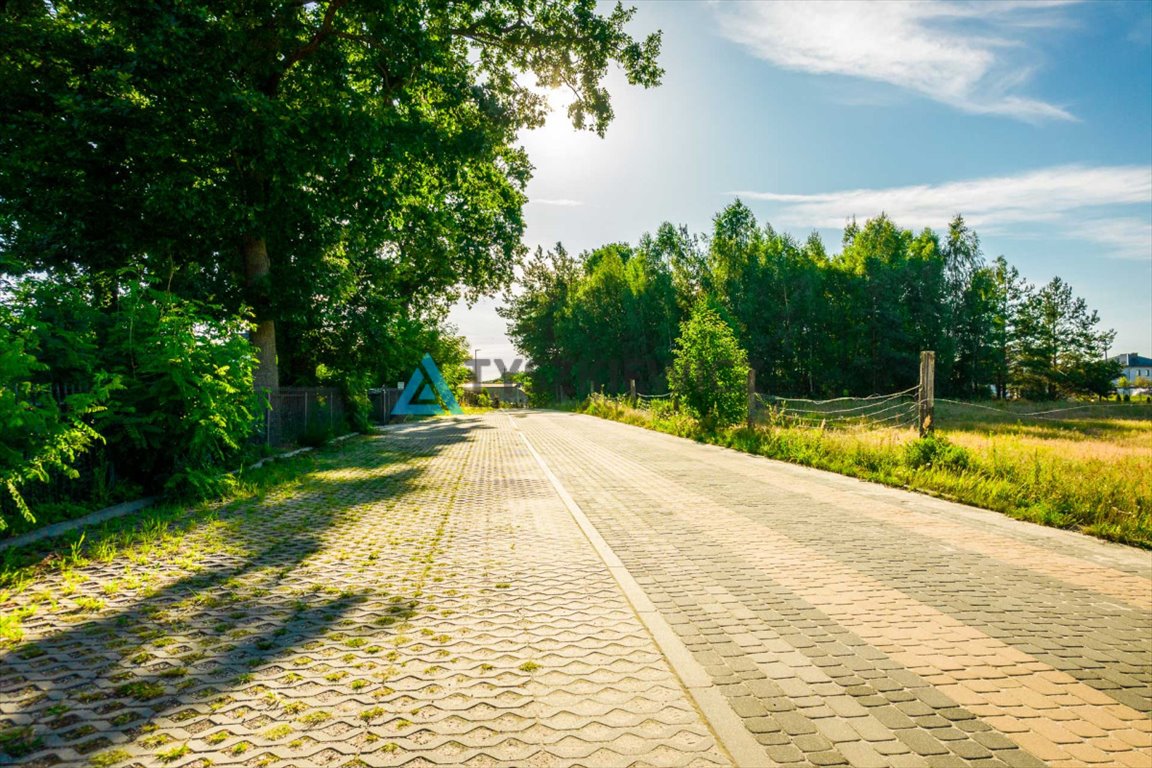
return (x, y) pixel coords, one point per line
(550, 589)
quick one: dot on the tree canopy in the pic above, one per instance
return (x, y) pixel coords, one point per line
(332, 165)
(812, 324)
(325, 178)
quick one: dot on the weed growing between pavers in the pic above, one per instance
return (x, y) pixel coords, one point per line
(215, 599)
(396, 592)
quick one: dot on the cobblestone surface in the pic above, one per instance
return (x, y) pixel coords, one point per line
(425, 597)
(421, 598)
(851, 624)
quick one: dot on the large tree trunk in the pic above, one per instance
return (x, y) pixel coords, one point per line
(256, 273)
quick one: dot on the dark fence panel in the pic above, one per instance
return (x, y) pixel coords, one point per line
(61, 390)
(299, 411)
(383, 401)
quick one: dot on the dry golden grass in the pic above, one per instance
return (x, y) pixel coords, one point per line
(1089, 470)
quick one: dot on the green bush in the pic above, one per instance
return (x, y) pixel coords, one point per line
(709, 371)
(937, 452)
(187, 405)
(314, 436)
(38, 436)
(357, 406)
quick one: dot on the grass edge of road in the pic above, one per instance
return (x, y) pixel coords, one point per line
(1046, 492)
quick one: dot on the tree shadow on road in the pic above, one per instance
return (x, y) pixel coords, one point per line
(263, 583)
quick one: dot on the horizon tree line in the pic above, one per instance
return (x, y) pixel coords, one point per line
(812, 324)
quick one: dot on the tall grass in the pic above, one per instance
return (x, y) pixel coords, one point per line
(1092, 474)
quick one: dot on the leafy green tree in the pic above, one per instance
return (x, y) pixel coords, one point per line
(596, 322)
(808, 304)
(281, 154)
(535, 315)
(957, 347)
(1062, 350)
(1007, 334)
(887, 305)
(653, 318)
(680, 250)
(733, 259)
(811, 324)
(709, 369)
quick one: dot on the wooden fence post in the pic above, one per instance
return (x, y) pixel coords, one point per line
(751, 397)
(926, 394)
(632, 392)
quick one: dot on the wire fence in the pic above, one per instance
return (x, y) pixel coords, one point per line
(296, 412)
(1008, 411)
(896, 409)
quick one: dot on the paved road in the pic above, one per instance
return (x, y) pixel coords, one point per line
(850, 623)
(548, 589)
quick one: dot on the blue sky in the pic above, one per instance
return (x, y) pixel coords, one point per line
(1032, 119)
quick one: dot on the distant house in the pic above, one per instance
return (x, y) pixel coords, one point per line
(1132, 367)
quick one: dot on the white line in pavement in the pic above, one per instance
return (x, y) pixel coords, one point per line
(727, 726)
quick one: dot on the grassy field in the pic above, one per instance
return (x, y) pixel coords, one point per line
(1088, 470)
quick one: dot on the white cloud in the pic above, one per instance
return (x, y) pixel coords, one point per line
(562, 202)
(968, 55)
(1125, 237)
(1067, 199)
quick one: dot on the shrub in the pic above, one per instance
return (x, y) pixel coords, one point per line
(937, 452)
(188, 403)
(314, 435)
(709, 369)
(357, 406)
(38, 436)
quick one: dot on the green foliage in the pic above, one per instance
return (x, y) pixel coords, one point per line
(38, 436)
(187, 405)
(161, 397)
(369, 149)
(607, 317)
(315, 435)
(1057, 346)
(813, 325)
(935, 451)
(536, 319)
(357, 407)
(709, 369)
